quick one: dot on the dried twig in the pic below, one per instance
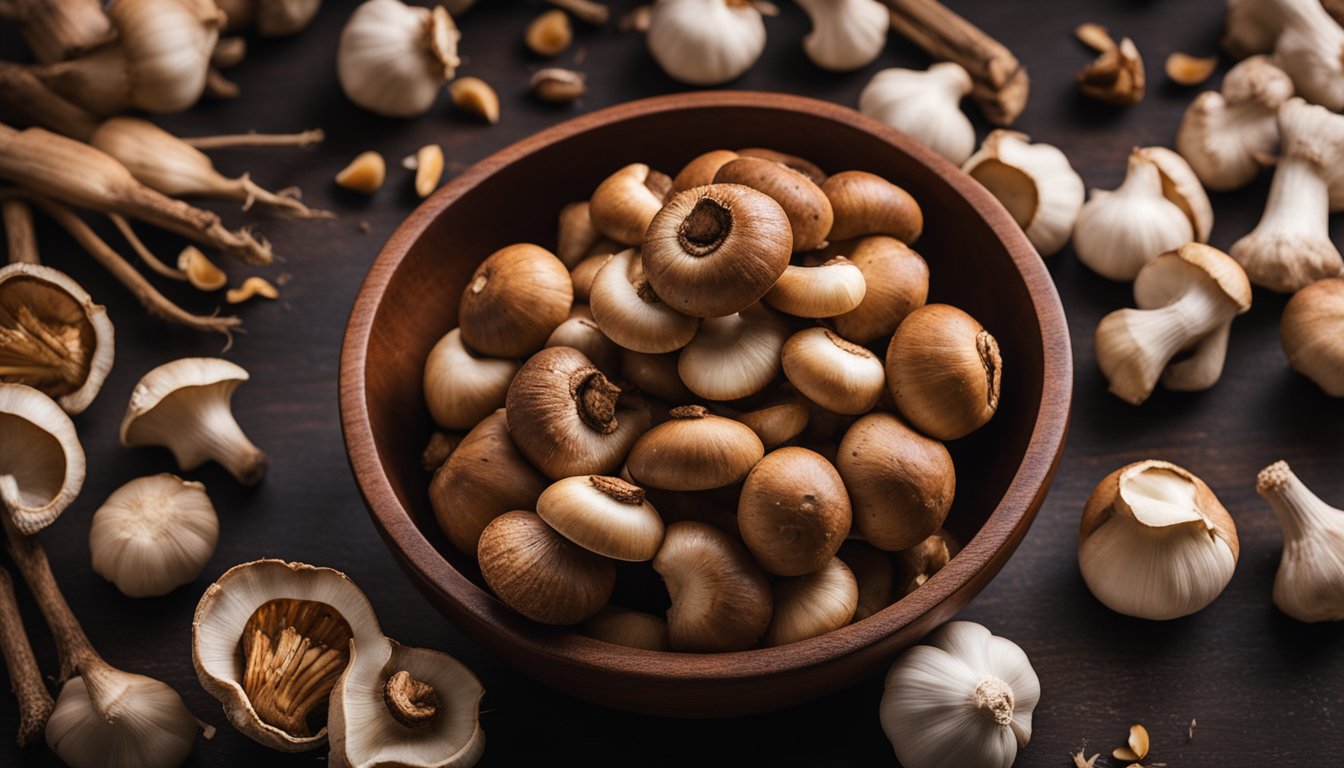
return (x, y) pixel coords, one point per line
(587, 10)
(35, 704)
(1001, 83)
(304, 140)
(22, 241)
(219, 87)
(146, 255)
(25, 100)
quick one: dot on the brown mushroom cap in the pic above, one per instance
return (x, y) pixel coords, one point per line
(720, 597)
(540, 573)
(794, 512)
(832, 288)
(605, 515)
(632, 629)
(695, 451)
(630, 312)
(806, 206)
(513, 301)
(943, 369)
(777, 423)
(700, 170)
(800, 164)
(1312, 333)
(896, 283)
(901, 483)
(867, 204)
(836, 374)
(626, 201)
(919, 563)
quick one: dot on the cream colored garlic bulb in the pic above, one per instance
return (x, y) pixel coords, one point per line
(1035, 182)
(705, 42)
(153, 535)
(1117, 232)
(925, 105)
(393, 58)
(1154, 542)
(113, 719)
(964, 698)
(1309, 585)
(846, 34)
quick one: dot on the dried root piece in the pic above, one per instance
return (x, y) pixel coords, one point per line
(302, 140)
(26, 100)
(1116, 76)
(19, 235)
(219, 87)
(59, 30)
(146, 255)
(35, 703)
(252, 286)
(1184, 69)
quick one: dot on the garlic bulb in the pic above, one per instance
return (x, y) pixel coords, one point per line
(393, 58)
(1117, 232)
(1035, 182)
(924, 105)
(114, 719)
(846, 34)
(1309, 585)
(153, 535)
(963, 699)
(705, 42)
(1155, 543)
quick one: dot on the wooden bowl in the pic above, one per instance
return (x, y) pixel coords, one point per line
(979, 260)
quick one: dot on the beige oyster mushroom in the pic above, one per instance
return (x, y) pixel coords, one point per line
(41, 460)
(52, 336)
(184, 407)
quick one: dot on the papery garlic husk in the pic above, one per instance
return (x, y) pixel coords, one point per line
(705, 42)
(108, 718)
(323, 599)
(964, 698)
(1117, 232)
(394, 58)
(1155, 543)
(42, 464)
(411, 707)
(1035, 182)
(846, 34)
(52, 336)
(153, 535)
(924, 105)
(1309, 585)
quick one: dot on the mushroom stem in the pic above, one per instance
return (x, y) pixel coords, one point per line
(146, 255)
(35, 703)
(304, 139)
(1144, 340)
(596, 399)
(411, 702)
(18, 221)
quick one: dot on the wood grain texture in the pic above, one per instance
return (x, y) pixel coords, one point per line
(1265, 689)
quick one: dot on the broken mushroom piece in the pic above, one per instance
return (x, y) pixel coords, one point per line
(1035, 183)
(537, 572)
(184, 406)
(270, 639)
(1229, 137)
(721, 600)
(813, 604)
(694, 451)
(1116, 76)
(411, 707)
(926, 106)
(41, 461)
(1184, 296)
(153, 535)
(52, 336)
(1312, 334)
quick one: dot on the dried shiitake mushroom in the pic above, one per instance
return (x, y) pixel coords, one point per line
(900, 482)
(721, 600)
(794, 512)
(694, 451)
(514, 300)
(896, 283)
(943, 369)
(867, 204)
(541, 574)
(808, 209)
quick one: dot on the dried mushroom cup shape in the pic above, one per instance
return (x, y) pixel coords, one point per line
(735, 356)
(943, 370)
(721, 600)
(52, 336)
(629, 311)
(539, 573)
(153, 535)
(184, 406)
(568, 419)
(794, 512)
(715, 250)
(413, 707)
(271, 638)
(694, 451)
(805, 205)
(901, 483)
(867, 204)
(605, 515)
(813, 604)
(624, 204)
(514, 300)
(42, 464)
(461, 387)
(896, 283)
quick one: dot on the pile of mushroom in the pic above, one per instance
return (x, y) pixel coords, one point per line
(755, 380)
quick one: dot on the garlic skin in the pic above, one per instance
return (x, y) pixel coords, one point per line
(113, 719)
(1229, 137)
(1117, 232)
(153, 535)
(1035, 182)
(394, 58)
(965, 698)
(705, 42)
(1155, 543)
(42, 464)
(846, 34)
(925, 106)
(1309, 585)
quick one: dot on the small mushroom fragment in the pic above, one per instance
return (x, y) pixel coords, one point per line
(412, 707)
(735, 356)
(694, 451)
(632, 629)
(715, 250)
(184, 406)
(1187, 299)
(867, 204)
(836, 374)
(777, 423)
(462, 388)
(721, 601)
(605, 515)
(875, 574)
(482, 479)
(630, 312)
(918, 564)
(794, 512)
(943, 369)
(1309, 585)
(270, 639)
(558, 86)
(813, 604)
(514, 300)
(900, 483)
(568, 419)
(1119, 231)
(805, 205)
(52, 336)
(1312, 334)
(153, 535)
(925, 105)
(832, 288)
(41, 461)
(1229, 137)
(541, 574)
(1187, 70)
(1116, 77)
(625, 202)
(1035, 183)
(896, 282)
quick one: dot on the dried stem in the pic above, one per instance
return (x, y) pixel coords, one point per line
(18, 219)
(35, 703)
(57, 30)
(219, 87)
(146, 255)
(24, 99)
(587, 10)
(303, 140)
(1001, 83)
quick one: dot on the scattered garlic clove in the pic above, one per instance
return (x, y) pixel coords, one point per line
(1181, 186)
(867, 204)
(721, 600)
(631, 313)
(836, 374)
(604, 515)
(1035, 183)
(393, 58)
(42, 464)
(631, 629)
(873, 570)
(1117, 232)
(625, 202)
(1309, 585)
(428, 166)
(846, 34)
(1312, 334)
(252, 287)
(896, 282)
(832, 288)
(694, 451)
(1187, 70)
(805, 204)
(735, 356)
(549, 34)
(541, 574)
(364, 174)
(812, 604)
(794, 514)
(462, 388)
(1229, 137)
(1154, 542)
(944, 371)
(514, 301)
(925, 106)
(900, 482)
(200, 271)
(558, 86)
(153, 535)
(705, 42)
(475, 97)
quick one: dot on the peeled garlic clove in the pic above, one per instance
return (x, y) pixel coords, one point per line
(944, 370)
(514, 300)
(793, 514)
(735, 356)
(153, 534)
(42, 464)
(925, 106)
(541, 574)
(364, 174)
(1154, 542)
(1035, 182)
(1118, 232)
(846, 35)
(694, 451)
(1309, 585)
(705, 42)
(1312, 334)
(549, 34)
(896, 282)
(39, 305)
(393, 58)
(721, 601)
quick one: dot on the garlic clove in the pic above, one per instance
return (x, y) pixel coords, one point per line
(1181, 186)
(846, 35)
(944, 371)
(721, 601)
(200, 271)
(549, 34)
(462, 388)
(694, 451)
(924, 105)
(1310, 580)
(896, 282)
(631, 629)
(1035, 183)
(867, 204)
(900, 482)
(539, 573)
(1118, 232)
(1312, 334)
(393, 58)
(812, 604)
(794, 513)
(836, 374)
(1229, 137)
(804, 203)
(735, 356)
(153, 535)
(604, 515)
(624, 204)
(630, 312)
(514, 301)
(833, 288)
(705, 42)
(42, 464)
(364, 174)
(428, 166)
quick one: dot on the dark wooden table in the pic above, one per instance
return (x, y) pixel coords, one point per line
(1266, 691)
